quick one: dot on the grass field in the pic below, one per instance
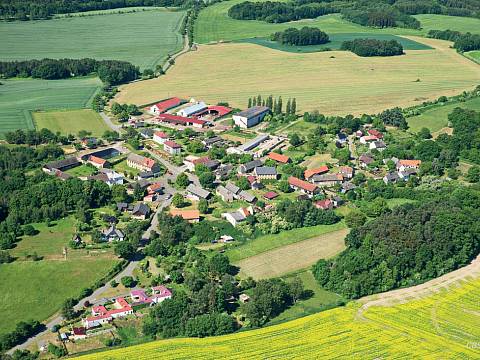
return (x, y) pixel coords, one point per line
(331, 82)
(82, 170)
(293, 257)
(437, 118)
(443, 22)
(474, 55)
(439, 326)
(335, 43)
(70, 121)
(18, 97)
(143, 38)
(274, 241)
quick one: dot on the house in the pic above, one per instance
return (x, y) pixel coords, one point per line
(212, 141)
(402, 165)
(165, 105)
(249, 166)
(112, 234)
(145, 175)
(122, 206)
(98, 162)
(155, 188)
(223, 171)
(365, 160)
(378, 145)
(327, 180)
(278, 157)
(192, 216)
(146, 133)
(270, 195)
(250, 117)
(79, 333)
(160, 137)
(375, 133)
(61, 165)
(140, 211)
(342, 138)
(391, 177)
(346, 171)
(359, 133)
(337, 201)
(160, 293)
(142, 163)
(191, 161)
(302, 186)
(232, 188)
(368, 138)
(346, 187)
(140, 297)
(103, 316)
(321, 170)
(325, 204)
(89, 142)
(244, 298)
(197, 193)
(192, 109)
(265, 172)
(172, 147)
(238, 216)
(225, 194)
(406, 173)
(109, 177)
(246, 196)
(225, 239)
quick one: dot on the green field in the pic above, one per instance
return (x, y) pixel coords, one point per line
(437, 118)
(443, 325)
(274, 241)
(82, 170)
(474, 55)
(335, 43)
(443, 22)
(70, 121)
(143, 38)
(18, 97)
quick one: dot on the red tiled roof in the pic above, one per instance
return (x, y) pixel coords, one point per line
(97, 160)
(270, 195)
(161, 134)
(309, 173)
(172, 144)
(301, 184)
(168, 104)
(175, 119)
(346, 169)
(279, 157)
(409, 163)
(148, 162)
(186, 214)
(323, 204)
(376, 133)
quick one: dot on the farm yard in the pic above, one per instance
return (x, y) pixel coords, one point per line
(127, 37)
(19, 97)
(70, 121)
(444, 325)
(331, 82)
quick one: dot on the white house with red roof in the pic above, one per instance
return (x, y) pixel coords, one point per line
(160, 137)
(100, 314)
(165, 105)
(172, 147)
(303, 186)
(403, 165)
(160, 293)
(98, 162)
(141, 163)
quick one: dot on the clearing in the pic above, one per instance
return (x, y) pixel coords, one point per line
(437, 118)
(143, 38)
(19, 97)
(443, 324)
(293, 257)
(70, 121)
(332, 82)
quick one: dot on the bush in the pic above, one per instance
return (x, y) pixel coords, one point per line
(128, 281)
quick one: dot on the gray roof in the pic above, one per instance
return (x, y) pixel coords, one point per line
(393, 176)
(212, 140)
(141, 209)
(198, 191)
(253, 111)
(266, 170)
(249, 145)
(61, 164)
(325, 177)
(238, 216)
(212, 164)
(146, 132)
(232, 187)
(379, 144)
(367, 159)
(249, 166)
(224, 192)
(248, 197)
(113, 231)
(224, 170)
(347, 186)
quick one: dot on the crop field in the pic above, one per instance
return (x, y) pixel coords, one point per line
(437, 118)
(19, 97)
(293, 257)
(332, 82)
(70, 121)
(335, 43)
(273, 241)
(143, 38)
(443, 325)
(444, 22)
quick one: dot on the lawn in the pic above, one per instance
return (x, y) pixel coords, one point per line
(123, 168)
(399, 201)
(82, 170)
(36, 290)
(331, 82)
(437, 118)
(335, 43)
(293, 257)
(18, 97)
(143, 38)
(443, 325)
(70, 121)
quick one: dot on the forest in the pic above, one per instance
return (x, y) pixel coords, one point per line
(44, 9)
(461, 42)
(111, 72)
(302, 37)
(408, 245)
(373, 47)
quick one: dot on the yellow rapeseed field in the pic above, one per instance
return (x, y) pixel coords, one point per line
(334, 82)
(440, 326)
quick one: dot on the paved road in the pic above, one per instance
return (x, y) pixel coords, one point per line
(109, 123)
(175, 170)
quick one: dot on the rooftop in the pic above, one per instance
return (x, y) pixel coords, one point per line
(253, 111)
(279, 157)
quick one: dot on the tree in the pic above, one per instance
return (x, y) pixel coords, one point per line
(243, 183)
(203, 206)
(128, 281)
(119, 193)
(30, 230)
(182, 180)
(473, 174)
(206, 179)
(294, 106)
(424, 133)
(297, 289)
(58, 351)
(355, 219)
(219, 264)
(67, 309)
(295, 139)
(125, 249)
(284, 186)
(178, 200)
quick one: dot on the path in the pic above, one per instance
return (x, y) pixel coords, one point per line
(175, 170)
(403, 295)
(109, 122)
(186, 48)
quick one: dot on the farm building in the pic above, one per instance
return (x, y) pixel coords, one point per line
(192, 109)
(196, 193)
(165, 105)
(327, 179)
(249, 145)
(98, 162)
(61, 165)
(249, 166)
(303, 186)
(279, 158)
(172, 147)
(142, 163)
(181, 120)
(160, 137)
(321, 170)
(250, 117)
(225, 194)
(192, 216)
(214, 112)
(212, 141)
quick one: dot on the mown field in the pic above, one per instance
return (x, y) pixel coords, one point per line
(143, 38)
(19, 97)
(443, 325)
(331, 82)
(70, 121)
(293, 257)
(443, 22)
(474, 55)
(437, 118)
(36, 289)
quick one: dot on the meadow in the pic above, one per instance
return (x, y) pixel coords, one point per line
(19, 97)
(442, 325)
(444, 22)
(70, 121)
(333, 82)
(293, 257)
(474, 55)
(143, 38)
(437, 118)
